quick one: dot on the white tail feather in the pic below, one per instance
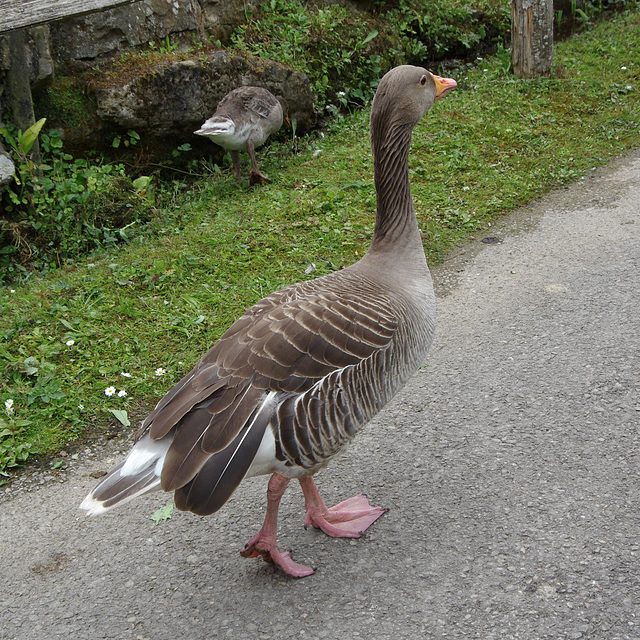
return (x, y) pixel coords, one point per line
(138, 474)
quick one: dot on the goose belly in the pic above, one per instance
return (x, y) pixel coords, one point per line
(230, 140)
(266, 462)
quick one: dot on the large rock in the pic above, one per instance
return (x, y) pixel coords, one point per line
(7, 168)
(165, 103)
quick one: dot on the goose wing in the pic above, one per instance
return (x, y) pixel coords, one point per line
(259, 106)
(280, 348)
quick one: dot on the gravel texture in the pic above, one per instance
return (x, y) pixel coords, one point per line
(510, 464)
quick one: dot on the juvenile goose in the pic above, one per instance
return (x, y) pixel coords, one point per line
(298, 375)
(244, 119)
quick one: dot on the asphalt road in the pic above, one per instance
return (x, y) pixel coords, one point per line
(510, 464)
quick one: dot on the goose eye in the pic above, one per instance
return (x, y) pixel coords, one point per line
(423, 80)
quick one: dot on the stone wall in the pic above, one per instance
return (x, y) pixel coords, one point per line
(84, 42)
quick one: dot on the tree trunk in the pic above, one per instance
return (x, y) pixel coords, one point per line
(531, 37)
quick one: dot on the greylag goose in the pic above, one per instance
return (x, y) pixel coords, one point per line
(244, 119)
(303, 370)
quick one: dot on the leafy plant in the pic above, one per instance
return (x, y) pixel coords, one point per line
(63, 207)
(335, 49)
(14, 449)
(131, 140)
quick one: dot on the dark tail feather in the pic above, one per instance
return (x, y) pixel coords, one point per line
(223, 472)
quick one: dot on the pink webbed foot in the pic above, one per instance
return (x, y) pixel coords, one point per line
(264, 544)
(258, 546)
(348, 519)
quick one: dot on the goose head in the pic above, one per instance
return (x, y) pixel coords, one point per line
(404, 95)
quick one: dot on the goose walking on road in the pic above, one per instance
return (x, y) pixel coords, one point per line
(303, 370)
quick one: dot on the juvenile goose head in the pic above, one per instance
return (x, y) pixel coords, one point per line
(244, 119)
(302, 371)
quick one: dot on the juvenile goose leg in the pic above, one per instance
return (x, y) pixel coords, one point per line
(256, 176)
(348, 519)
(264, 544)
(235, 158)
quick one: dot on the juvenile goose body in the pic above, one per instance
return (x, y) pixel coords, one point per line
(303, 370)
(243, 121)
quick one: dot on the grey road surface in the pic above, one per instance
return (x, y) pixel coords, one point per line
(510, 464)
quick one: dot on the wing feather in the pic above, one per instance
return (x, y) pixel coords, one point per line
(284, 345)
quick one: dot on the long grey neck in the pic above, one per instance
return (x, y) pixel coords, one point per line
(396, 226)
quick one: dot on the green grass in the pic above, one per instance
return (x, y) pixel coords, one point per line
(488, 147)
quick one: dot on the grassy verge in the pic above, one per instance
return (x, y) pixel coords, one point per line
(148, 311)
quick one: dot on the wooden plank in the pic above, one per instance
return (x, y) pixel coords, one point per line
(19, 14)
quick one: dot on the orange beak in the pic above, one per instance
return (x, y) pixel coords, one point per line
(443, 85)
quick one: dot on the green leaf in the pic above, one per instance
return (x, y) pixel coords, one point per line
(122, 417)
(27, 139)
(31, 366)
(164, 513)
(370, 37)
(142, 182)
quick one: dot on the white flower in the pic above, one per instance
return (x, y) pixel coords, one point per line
(122, 393)
(81, 407)
(126, 375)
(160, 371)
(465, 188)
(12, 290)
(70, 343)
(623, 68)
(8, 405)
(109, 391)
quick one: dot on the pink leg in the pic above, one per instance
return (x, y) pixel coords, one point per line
(349, 519)
(264, 544)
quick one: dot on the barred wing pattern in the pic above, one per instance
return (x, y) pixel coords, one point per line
(313, 362)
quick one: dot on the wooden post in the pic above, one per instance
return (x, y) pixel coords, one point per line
(531, 37)
(19, 88)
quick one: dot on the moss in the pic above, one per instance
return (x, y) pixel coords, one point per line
(66, 104)
(134, 64)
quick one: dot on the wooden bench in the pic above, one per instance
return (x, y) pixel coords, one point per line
(22, 14)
